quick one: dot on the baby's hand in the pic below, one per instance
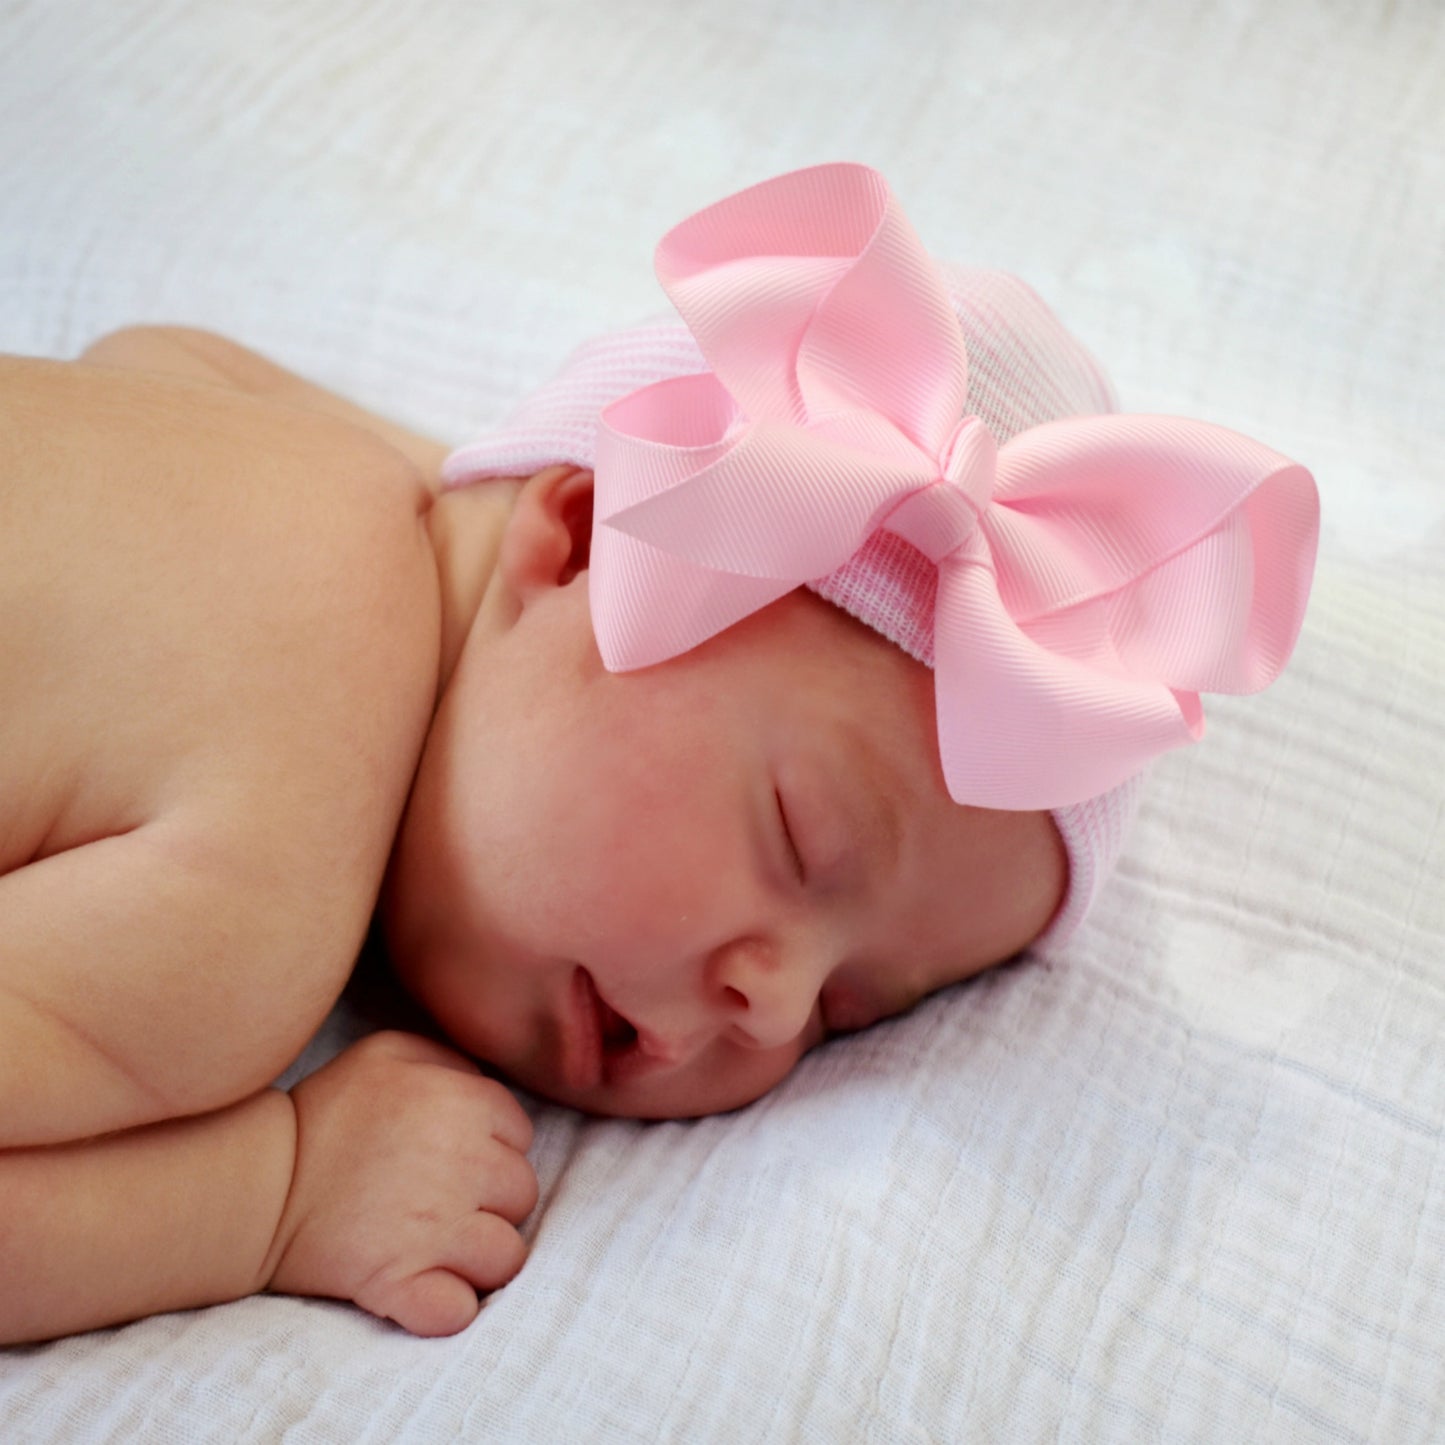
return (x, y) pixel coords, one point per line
(409, 1165)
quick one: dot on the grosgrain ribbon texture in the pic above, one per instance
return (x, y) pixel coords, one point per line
(1095, 574)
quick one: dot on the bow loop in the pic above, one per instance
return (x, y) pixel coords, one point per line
(1133, 562)
(775, 501)
(811, 294)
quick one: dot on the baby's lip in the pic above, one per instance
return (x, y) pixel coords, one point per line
(581, 1062)
(602, 1045)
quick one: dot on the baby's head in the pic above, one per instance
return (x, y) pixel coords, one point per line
(831, 691)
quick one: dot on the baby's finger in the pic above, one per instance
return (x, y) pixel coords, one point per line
(487, 1250)
(508, 1121)
(414, 1049)
(509, 1183)
(434, 1302)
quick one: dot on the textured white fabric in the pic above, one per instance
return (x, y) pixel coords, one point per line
(1186, 1183)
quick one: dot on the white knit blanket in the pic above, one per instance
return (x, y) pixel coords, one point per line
(1183, 1180)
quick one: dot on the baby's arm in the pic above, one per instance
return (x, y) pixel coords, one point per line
(389, 1177)
(137, 983)
(205, 356)
(392, 1177)
(176, 1214)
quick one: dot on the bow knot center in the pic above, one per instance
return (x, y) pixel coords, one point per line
(970, 460)
(940, 518)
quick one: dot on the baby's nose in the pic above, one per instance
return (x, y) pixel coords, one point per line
(765, 994)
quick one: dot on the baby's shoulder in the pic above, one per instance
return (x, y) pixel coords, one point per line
(208, 601)
(187, 470)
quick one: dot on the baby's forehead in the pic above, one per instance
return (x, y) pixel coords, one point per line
(804, 647)
(855, 690)
(831, 637)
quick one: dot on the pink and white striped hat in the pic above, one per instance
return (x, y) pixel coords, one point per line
(928, 448)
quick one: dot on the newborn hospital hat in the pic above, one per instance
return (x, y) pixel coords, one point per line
(930, 450)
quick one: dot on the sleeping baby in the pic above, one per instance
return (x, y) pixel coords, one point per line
(771, 670)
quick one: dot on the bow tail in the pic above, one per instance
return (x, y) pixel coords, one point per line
(1021, 726)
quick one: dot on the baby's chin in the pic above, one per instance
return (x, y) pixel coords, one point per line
(689, 1103)
(696, 1090)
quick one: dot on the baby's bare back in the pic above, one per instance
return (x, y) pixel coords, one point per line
(218, 649)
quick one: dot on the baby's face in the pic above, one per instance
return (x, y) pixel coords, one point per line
(651, 893)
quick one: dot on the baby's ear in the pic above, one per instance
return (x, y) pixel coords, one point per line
(549, 534)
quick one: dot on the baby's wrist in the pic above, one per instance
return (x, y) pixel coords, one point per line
(280, 1144)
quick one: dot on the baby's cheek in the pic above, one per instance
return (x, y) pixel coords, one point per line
(641, 911)
(845, 1010)
(729, 1077)
(649, 872)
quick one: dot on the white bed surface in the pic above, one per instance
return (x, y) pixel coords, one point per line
(1184, 1180)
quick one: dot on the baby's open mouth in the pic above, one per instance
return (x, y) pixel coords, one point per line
(600, 1036)
(617, 1033)
(607, 1048)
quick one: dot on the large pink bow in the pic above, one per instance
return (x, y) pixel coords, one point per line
(1095, 574)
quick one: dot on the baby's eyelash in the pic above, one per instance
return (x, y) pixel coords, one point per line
(791, 841)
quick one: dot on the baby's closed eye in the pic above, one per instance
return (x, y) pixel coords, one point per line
(790, 839)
